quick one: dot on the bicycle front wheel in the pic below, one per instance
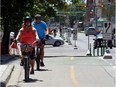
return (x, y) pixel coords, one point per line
(26, 68)
(38, 59)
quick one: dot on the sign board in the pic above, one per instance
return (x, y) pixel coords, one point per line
(107, 31)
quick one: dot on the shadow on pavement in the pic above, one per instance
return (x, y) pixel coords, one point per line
(9, 59)
(33, 80)
(43, 70)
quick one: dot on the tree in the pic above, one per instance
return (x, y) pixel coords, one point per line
(12, 15)
(13, 12)
(77, 9)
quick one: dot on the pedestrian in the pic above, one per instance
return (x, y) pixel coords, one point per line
(41, 28)
(27, 35)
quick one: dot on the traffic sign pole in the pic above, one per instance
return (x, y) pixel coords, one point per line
(107, 35)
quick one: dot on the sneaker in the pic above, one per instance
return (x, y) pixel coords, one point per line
(42, 64)
(21, 63)
(32, 71)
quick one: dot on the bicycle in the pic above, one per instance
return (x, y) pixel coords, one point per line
(38, 56)
(27, 50)
(38, 53)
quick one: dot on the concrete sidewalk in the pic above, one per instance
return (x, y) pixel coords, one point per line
(5, 70)
(5, 73)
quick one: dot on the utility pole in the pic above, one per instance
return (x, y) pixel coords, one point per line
(89, 3)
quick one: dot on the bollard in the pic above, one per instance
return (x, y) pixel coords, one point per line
(101, 48)
(69, 42)
(75, 46)
(90, 50)
(93, 51)
(97, 48)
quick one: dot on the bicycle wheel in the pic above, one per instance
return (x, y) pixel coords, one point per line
(26, 68)
(38, 59)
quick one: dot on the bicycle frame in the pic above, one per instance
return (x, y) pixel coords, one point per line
(26, 68)
(27, 50)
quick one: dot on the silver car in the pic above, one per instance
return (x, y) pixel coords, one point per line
(90, 30)
(55, 41)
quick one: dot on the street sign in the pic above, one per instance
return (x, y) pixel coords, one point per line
(107, 31)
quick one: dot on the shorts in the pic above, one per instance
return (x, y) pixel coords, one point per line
(42, 41)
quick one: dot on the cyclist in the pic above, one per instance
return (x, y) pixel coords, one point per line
(27, 35)
(41, 28)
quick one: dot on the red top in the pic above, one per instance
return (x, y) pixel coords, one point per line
(27, 37)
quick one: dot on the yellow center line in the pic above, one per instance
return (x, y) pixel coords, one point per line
(72, 76)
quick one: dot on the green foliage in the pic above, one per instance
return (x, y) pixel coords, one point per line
(13, 12)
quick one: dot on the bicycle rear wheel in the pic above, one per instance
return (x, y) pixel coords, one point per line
(37, 64)
(26, 68)
(38, 59)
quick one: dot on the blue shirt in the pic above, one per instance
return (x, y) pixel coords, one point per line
(40, 27)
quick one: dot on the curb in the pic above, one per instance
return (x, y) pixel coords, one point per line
(49, 56)
(6, 76)
(13, 82)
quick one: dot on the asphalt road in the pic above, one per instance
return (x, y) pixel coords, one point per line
(71, 72)
(67, 67)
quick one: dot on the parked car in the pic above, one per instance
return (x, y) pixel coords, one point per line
(55, 41)
(90, 30)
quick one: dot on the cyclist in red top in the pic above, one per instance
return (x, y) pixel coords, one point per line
(27, 35)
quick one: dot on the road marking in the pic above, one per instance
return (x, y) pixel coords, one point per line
(106, 61)
(72, 76)
(72, 58)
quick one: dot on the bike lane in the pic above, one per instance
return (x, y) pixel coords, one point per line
(72, 72)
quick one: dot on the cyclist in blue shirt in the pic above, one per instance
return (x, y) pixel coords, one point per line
(41, 28)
